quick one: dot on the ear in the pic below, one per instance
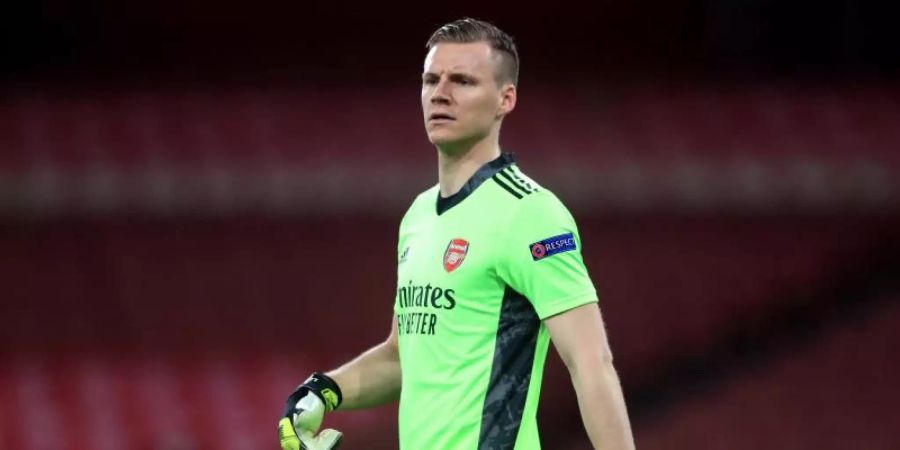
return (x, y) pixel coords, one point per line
(507, 100)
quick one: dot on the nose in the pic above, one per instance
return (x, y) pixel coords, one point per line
(441, 95)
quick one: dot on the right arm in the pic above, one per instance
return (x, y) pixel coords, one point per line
(372, 378)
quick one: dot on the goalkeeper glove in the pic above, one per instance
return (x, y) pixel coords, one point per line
(303, 414)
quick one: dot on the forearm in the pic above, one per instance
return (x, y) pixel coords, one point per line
(602, 406)
(371, 379)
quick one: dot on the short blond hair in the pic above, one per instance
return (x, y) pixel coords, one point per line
(468, 30)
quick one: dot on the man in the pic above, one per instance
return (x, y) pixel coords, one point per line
(489, 271)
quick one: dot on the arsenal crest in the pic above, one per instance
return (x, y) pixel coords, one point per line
(455, 254)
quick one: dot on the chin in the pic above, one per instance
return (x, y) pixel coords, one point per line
(439, 137)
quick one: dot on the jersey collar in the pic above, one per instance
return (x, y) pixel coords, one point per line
(484, 172)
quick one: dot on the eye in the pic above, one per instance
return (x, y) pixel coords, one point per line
(464, 80)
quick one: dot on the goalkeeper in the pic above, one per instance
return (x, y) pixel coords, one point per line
(490, 271)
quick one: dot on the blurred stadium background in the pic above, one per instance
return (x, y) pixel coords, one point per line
(199, 202)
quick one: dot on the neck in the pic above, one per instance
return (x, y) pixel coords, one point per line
(455, 167)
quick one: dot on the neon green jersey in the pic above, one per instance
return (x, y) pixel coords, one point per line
(477, 274)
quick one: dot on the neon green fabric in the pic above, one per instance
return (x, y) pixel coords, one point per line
(474, 283)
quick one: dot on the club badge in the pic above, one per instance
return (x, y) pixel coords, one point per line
(455, 254)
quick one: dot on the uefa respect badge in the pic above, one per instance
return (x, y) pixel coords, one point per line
(553, 245)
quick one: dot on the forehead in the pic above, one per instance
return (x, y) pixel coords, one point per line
(474, 57)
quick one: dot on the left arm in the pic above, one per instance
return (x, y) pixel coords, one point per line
(580, 338)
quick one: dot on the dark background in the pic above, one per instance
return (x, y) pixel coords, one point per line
(199, 203)
(296, 41)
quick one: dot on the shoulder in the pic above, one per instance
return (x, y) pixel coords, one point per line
(420, 204)
(428, 195)
(530, 198)
(515, 182)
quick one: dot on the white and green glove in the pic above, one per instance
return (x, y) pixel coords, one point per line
(298, 428)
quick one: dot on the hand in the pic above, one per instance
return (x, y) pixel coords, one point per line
(303, 414)
(328, 439)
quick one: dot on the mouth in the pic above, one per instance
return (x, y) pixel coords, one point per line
(440, 118)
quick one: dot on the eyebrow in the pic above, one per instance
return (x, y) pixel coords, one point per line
(454, 76)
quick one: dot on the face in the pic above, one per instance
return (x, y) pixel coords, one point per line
(462, 100)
